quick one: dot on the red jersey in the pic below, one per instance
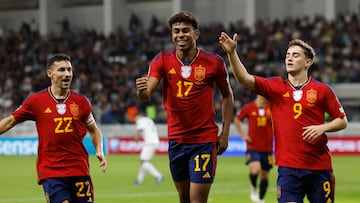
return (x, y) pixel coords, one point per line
(259, 126)
(61, 127)
(188, 92)
(294, 109)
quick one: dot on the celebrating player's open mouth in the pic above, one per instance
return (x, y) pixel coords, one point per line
(66, 82)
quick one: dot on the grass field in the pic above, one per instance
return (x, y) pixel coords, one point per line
(18, 181)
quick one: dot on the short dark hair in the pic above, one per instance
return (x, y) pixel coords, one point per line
(184, 16)
(308, 50)
(57, 57)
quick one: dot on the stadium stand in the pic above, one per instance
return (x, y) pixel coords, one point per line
(107, 65)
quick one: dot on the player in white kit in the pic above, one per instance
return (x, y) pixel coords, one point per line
(146, 129)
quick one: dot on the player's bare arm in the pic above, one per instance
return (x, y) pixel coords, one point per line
(96, 137)
(312, 132)
(145, 86)
(241, 130)
(227, 112)
(138, 136)
(7, 123)
(239, 70)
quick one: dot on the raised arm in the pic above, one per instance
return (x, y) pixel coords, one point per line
(239, 70)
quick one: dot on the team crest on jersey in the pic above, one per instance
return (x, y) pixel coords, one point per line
(61, 108)
(311, 96)
(74, 109)
(185, 71)
(199, 73)
(297, 95)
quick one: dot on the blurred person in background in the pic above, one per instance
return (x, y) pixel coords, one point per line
(189, 75)
(259, 144)
(62, 119)
(147, 130)
(106, 66)
(298, 106)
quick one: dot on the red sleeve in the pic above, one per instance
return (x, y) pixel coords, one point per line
(243, 113)
(333, 106)
(156, 67)
(222, 76)
(24, 112)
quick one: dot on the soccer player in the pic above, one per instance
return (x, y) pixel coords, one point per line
(146, 129)
(189, 76)
(259, 145)
(298, 106)
(62, 119)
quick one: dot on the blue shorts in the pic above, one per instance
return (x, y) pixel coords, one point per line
(196, 162)
(74, 189)
(294, 184)
(266, 158)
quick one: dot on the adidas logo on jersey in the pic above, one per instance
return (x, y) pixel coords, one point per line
(47, 110)
(287, 94)
(172, 71)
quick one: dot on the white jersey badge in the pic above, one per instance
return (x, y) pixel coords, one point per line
(297, 95)
(185, 71)
(61, 108)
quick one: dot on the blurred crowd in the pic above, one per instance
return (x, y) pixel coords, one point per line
(105, 67)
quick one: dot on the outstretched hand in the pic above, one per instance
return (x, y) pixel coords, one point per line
(228, 44)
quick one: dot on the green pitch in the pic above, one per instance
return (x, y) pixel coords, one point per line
(18, 181)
